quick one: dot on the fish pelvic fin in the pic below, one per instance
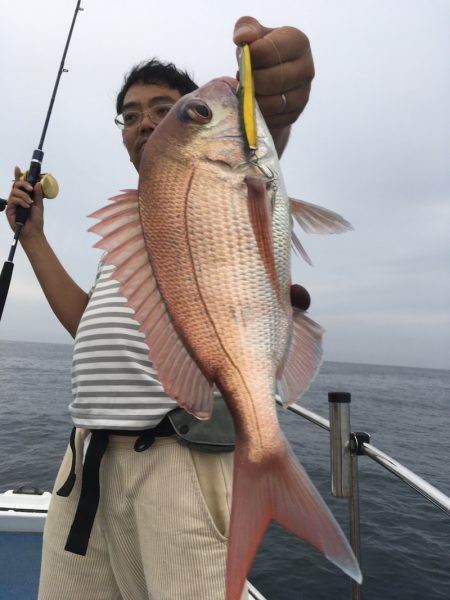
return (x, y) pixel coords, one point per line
(304, 358)
(123, 241)
(299, 249)
(279, 490)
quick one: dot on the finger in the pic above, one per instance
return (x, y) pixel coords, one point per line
(15, 202)
(22, 185)
(38, 195)
(248, 29)
(282, 77)
(22, 191)
(281, 121)
(280, 45)
(17, 173)
(21, 198)
(300, 297)
(295, 102)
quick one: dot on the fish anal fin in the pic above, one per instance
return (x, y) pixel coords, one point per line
(304, 358)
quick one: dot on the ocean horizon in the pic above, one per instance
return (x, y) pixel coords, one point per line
(351, 362)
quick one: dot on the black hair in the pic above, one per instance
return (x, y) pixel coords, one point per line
(159, 73)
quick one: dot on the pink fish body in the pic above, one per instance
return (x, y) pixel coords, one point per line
(202, 253)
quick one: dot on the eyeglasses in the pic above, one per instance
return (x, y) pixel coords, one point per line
(133, 118)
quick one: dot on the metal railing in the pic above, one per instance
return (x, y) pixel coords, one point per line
(345, 447)
(253, 592)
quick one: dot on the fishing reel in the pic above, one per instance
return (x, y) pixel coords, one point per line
(50, 187)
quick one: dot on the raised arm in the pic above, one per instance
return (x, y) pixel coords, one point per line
(283, 69)
(65, 297)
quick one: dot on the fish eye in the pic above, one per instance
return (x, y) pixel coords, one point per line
(202, 110)
(197, 112)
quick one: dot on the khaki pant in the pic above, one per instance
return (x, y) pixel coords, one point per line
(160, 529)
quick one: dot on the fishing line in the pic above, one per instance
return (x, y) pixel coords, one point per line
(32, 177)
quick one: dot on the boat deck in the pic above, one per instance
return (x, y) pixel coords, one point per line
(20, 560)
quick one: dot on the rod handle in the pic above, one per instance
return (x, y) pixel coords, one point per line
(34, 172)
(5, 280)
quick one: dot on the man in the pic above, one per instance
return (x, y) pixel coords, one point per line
(160, 527)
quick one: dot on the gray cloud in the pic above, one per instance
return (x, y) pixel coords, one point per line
(372, 144)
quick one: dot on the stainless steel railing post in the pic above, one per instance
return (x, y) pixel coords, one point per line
(355, 521)
(339, 403)
(344, 470)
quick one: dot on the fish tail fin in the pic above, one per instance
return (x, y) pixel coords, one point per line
(281, 491)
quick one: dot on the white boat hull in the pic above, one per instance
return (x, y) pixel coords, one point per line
(23, 511)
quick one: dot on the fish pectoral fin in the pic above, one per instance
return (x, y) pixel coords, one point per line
(315, 219)
(177, 370)
(279, 490)
(260, 213)
(304, 358)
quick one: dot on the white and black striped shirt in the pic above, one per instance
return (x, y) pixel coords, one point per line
(114, 384)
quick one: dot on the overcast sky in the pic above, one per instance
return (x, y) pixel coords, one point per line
(373, 144)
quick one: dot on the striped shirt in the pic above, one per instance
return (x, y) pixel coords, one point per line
(114, 384)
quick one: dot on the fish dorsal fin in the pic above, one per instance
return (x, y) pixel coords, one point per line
(315, 219)
(304, 359)
(123, 241)
(261, 219)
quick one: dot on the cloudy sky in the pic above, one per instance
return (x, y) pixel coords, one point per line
(373, 144)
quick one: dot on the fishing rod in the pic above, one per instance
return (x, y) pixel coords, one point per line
(33, 175)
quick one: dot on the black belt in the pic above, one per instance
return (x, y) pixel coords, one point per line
(80, 531)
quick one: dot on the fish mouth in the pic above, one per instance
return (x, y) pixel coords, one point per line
(232, 82)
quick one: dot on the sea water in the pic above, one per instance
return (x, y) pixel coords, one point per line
(405, 540)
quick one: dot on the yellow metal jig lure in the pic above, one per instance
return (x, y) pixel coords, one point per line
(247, 99)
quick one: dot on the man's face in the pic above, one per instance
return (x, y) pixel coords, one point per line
(142, 97)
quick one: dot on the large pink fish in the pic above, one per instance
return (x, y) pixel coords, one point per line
(203, 255)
